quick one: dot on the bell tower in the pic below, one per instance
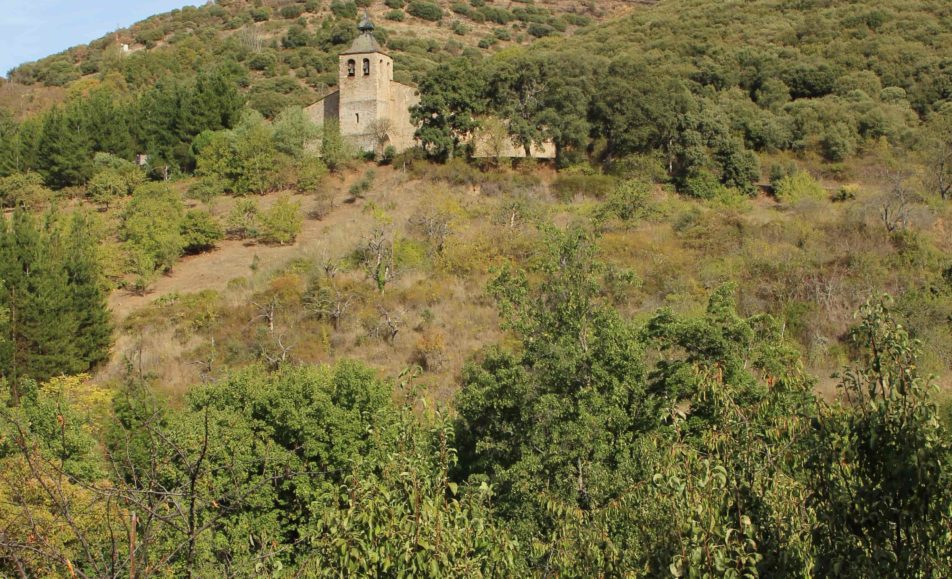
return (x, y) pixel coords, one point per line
(366, 72)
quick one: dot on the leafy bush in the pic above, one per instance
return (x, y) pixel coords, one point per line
(703, 185)
(344, 9)
(200, 231)
(243, 220)
(799, 185)
(292, 11)
(281, 223)
(24, 189)
(425, 10)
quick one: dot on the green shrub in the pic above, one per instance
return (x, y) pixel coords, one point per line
(703, 185)
(201, 231)
(344, 9)
(281, 223)
(837, 142)
(395, 3)
(292, 11)
(310, 174)
(206, 189)
(152, 227)
(800, 185)
(25, 189)
(243, 220)
(395, 15)
(259, 14)
(425, 10)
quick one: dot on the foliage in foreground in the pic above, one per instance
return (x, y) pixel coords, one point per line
(685, 446)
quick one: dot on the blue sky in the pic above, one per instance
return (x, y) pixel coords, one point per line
(32, 29)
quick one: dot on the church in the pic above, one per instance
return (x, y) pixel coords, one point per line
(373, 110)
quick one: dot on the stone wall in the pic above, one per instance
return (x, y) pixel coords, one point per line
(328, 108)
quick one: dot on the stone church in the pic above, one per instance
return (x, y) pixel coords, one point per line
(373, 110)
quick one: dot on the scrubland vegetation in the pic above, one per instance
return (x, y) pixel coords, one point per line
(712, 338)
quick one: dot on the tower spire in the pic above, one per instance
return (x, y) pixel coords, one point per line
(366, 25)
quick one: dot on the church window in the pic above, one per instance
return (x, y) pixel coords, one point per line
(351, 68)
(366, 67)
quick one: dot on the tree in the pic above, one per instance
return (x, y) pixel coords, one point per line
(64, 149)
(114, 178)
(93, 337)
(451, 98)
(10, 156)
(880, 471)
(255, 150)
(152, 228)
(294, 131)
(43, 325)
(552, 423)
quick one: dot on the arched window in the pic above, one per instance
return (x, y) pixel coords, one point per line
(351, 68)
(366, 67)
(358, 118)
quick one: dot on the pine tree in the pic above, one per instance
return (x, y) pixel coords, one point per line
(41, 324)
(64, 149)
(94, 329)
(47, 324)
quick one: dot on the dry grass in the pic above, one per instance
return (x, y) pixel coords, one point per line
(810, 263)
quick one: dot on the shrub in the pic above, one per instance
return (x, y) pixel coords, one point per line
(836, 143)
(292, 11)
(243, 220)
(259, 14)
(25, 189)
(310, 174)
(323, 204)
(281, 223)
(628, 202)
(703, 185)
(540, 30)
(206, 189)
(344, 9)
(395, 15)
(395, 3)
(430, 351)
(362, 185)
(425, 10)
(845, 193)
(200, 231)
(800, 185)
(389, 154)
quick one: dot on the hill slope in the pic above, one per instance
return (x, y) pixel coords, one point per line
(289, 48)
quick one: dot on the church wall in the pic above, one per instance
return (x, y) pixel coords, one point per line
(402, 98)
(328, 108)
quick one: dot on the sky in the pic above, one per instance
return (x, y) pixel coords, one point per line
(32, 29)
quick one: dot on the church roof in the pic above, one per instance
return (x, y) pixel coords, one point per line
(366, 41)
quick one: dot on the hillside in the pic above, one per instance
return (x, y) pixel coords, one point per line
(288, 48)
(711, 338)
